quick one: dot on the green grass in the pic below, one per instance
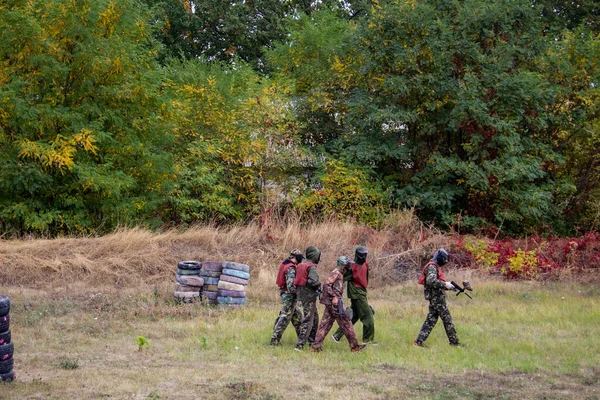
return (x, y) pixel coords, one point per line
(523, 341)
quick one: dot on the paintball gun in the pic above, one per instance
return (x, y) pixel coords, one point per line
(467, 286)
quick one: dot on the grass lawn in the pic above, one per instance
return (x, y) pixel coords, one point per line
(523, 341)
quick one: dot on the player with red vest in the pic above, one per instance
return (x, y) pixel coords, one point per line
(287, 292)
(308, 288)
(357, 276)
(434, 282)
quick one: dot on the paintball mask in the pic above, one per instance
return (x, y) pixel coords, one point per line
(441, 257)
(313, 254)
(343, 260)
(360, 255)
(296, 255)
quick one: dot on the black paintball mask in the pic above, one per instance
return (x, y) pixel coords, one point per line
(360, 255)
(441, 257)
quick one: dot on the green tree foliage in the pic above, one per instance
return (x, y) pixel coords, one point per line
(82, 141)
(570, 14)
(573, 65)
(448, 101)
(219, 30)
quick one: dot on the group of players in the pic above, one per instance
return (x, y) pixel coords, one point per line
(300, 288)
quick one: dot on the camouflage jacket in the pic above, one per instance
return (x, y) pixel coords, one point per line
(434, 287)
(333, 287)
(290, 275)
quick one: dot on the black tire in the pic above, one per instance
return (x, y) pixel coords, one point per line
(188, 271)
(6, 351)
(4, 306)
(189, 265)
(4, 323)
(4, 337)
(7, 377)
(6, 366)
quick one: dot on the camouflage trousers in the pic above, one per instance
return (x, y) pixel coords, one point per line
(289, 312)
(361, 311)
(438, 309)
(330, 316)
(310, 321)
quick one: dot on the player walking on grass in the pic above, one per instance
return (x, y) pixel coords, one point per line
(434, 282)
(287, 292)
(333, 290)
(358, 279)
(307, 286)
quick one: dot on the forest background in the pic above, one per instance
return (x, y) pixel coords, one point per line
(479, 117)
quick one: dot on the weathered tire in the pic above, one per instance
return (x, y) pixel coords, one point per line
(212, 266)
(210, 294)
(6, 366)
(185, 288)
(231, 293)
(186, 297)
(230, 286)
(211, 288)
(232, 300)
(210, 274)
(236, 273)
(4, 323)
(4, 305)
(189, 265)
(6, 351)
(234, 279)
(211, 281)
(237, 266)
(190, 280)
(188, 271)
(4, 337)
(8, 376)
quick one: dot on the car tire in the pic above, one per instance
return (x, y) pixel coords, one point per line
(212, 266)
(234, 279)
(188, 271)
(237, 266)
(4, 306)
(230, 286)
(4, 323)
(190, 280)
(6, 366)
(236, 273)
(189, 265)
(8, 377)
(231, 293)
(6, 351)
(4, 337)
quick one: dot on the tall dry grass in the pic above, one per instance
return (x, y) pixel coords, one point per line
(132, 257)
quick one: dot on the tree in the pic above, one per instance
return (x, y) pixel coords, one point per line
(82, 139)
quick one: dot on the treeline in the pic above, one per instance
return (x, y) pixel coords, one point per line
(481, 116)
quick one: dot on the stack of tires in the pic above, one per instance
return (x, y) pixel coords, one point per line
(189, 282)
(211, 272)
(232, 284)
(6, 346)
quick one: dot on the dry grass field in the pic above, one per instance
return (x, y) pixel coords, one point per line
(79, 305)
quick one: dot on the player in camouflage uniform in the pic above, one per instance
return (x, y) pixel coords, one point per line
(435, 283)
(358, 278)
(333, 290)
(308, 289)
(287, 292)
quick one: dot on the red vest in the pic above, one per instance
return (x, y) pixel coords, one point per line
(281, 274)
(302, 273)
(441, 276)
(359, 274)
